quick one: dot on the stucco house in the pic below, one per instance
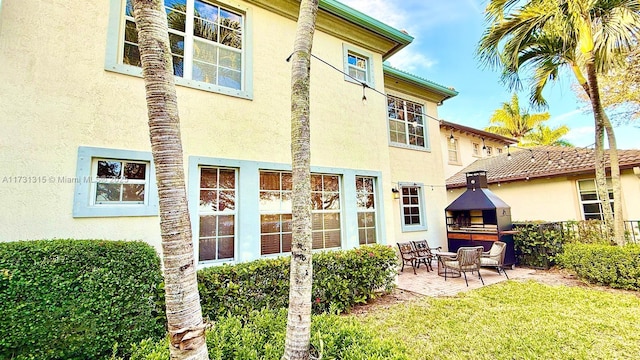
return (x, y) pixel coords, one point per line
(75, 153)
(553, 183)
(465, 145)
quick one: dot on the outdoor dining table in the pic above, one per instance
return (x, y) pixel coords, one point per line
(441, 268)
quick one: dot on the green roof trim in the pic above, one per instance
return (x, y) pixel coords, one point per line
(448, 92)
(367, 22)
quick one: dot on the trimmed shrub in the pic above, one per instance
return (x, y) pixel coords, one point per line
(75, 299)
(261, 335)
(615, 266)
(341, 279)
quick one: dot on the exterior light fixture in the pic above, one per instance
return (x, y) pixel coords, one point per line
(396, 193)
(451, 138)
(533, 159)
(508, 153)
(364, 97)
(548, 159)
(562, 160)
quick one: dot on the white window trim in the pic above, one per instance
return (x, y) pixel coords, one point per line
(217, 213)
(115, 43)
(374, 211)
(425, 127)
(457, 150)
(473, 149)
(422, 207)
(84, 205)
(598, 201)
(346, 48)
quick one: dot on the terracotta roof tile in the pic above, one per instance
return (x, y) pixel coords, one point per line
(550, 161)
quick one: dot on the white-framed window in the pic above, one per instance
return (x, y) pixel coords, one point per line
(276, 217)
(275, 212)
(412, 207)
(590, 200)
(325, 211)
(406, 123)
(113, 182)
(208, 42)
(476, 149)
(217, 214)
(452, 147)
(359, 65)
(119, 182)
(365, 199)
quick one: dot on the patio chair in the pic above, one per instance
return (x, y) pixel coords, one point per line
(424, 253)
(466, 259)
(495, 257)
(407, 255)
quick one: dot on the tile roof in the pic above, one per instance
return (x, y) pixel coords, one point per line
(550, 161)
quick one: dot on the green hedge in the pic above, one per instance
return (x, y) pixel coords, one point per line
(261, 335)
(537, 244)
(74, 299)
(615, 266)
(341, 279)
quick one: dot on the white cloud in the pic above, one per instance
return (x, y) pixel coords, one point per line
(411, 61)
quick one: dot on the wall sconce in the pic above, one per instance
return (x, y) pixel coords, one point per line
(396, 193)
(451, 138)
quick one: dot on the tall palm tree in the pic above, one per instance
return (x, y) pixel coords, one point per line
(586, 36)
(299, 316)
(184, 315)
(513, 121)
(544, 135)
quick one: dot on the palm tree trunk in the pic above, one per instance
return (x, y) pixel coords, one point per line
(299, 316)
(618, 216)
(601, 175)
(184, 315)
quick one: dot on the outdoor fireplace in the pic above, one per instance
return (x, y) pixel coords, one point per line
(479, 217)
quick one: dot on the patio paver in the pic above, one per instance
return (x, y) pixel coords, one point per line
(430, 284)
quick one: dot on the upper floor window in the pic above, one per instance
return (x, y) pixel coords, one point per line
(452, 147)
(489, 151)
(499, 150)
(365, 196)
(207, 40)
(590, 199)
(406, 123)
(476, 149)
(358, 64)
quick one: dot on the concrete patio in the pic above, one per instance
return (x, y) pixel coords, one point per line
(429, 283)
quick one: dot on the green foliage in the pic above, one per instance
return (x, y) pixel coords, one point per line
(75, 299)
(615, 266)
(537, 244)
(261, 335)
(341, 279)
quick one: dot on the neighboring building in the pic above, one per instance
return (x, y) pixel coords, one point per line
(76, 160)
(553, 183)
(465, 145)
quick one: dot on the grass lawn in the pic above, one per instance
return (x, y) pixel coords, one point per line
(514, 320)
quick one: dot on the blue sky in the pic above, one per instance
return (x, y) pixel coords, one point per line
(443, 51)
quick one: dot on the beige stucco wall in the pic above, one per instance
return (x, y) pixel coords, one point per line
(556, 199)
(465, 150)
(425, 168)
(58, 96)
